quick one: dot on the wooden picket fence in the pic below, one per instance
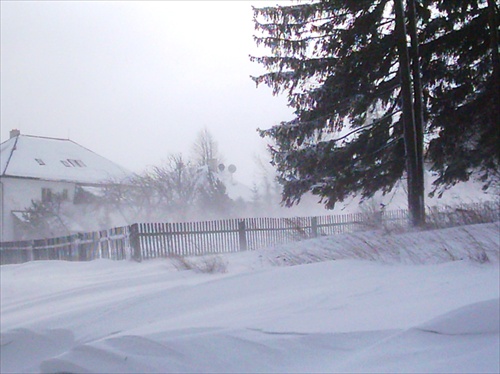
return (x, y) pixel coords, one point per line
(113, 244)
(152, 240)
(143, 241)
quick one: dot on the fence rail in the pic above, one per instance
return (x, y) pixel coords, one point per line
(143, 241)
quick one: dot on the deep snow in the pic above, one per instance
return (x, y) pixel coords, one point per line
(423, 303)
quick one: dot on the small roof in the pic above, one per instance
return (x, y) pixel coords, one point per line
(57, 160)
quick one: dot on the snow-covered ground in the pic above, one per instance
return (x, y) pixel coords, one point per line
(368, 302)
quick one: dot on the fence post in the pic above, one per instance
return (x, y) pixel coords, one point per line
(83, 253)
(75, 248)
(135, 242)
(30, 255)
(242, 235)
(314, 226)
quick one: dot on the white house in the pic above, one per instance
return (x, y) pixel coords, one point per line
(35, 168)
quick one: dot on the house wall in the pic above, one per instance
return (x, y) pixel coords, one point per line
(17, 194)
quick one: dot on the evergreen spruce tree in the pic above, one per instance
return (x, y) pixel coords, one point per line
(339, 63)
(461, 70)
(44, 219)
(213, 201)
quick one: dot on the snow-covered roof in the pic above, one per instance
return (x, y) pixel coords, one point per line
(56, 159)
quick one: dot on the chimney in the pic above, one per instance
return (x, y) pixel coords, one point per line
(14, 133)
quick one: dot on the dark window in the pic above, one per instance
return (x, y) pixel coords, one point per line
(80, 163)
(66, 163)
(46, 195)
(40, 161)
(64, 194)
(76, 163)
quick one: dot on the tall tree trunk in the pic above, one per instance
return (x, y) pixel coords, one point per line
(410, 136)
(418, 108)
(493, 25)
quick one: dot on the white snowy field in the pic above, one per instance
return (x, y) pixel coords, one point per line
(368, 302)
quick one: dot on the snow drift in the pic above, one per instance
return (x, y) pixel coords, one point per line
(426, 302)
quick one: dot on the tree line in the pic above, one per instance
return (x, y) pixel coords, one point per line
(179, 189)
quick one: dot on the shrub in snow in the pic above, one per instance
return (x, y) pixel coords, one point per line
(205, 264)
(464, 214)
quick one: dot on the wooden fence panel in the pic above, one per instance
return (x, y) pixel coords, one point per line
(111, 244)
(188, 238)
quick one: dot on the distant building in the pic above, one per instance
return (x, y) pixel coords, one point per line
(36, 168)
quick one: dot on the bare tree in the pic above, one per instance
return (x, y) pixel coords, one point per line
(205, 148)
(176, 184)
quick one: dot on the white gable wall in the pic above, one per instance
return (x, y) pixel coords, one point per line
(17, 194)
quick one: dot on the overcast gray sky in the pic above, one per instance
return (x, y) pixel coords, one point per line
(136, 81)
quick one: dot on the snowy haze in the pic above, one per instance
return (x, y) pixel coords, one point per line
(426, 302)
(135, 81)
